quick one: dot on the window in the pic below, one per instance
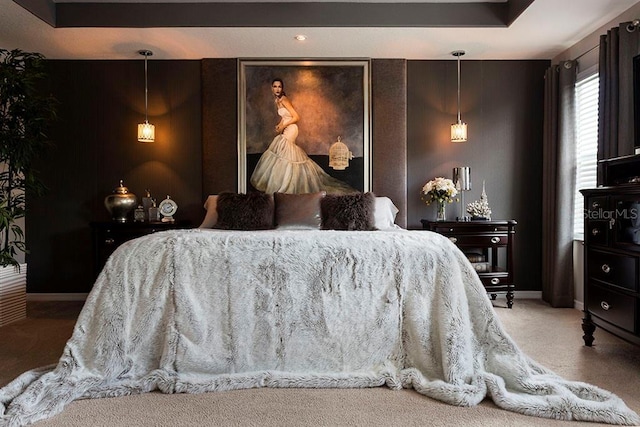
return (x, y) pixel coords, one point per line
(587, 87)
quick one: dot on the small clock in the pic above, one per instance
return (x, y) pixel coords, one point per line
(167, 209)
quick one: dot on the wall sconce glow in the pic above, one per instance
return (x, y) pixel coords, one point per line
(146, 131)
(300, 37)
(459, 128)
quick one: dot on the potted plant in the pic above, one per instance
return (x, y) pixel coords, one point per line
(25, 114)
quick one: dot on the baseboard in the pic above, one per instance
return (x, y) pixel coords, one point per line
(527, 295)
(578, 305)
(57, 297)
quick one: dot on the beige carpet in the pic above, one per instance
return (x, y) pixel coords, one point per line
(550, 336)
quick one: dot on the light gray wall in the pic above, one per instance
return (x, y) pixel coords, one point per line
(502, 103)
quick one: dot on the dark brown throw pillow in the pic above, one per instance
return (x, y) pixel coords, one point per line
(348, 211)
(298, 211)
(251, 211)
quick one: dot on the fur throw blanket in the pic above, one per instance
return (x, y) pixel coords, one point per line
(195, 311)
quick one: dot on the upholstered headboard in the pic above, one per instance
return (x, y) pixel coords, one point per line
(388, 129)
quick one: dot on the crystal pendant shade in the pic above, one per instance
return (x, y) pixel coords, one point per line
(146, 132)
(459, 132)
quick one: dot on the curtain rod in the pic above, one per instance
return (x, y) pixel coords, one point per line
(585, 52)
(631, 27)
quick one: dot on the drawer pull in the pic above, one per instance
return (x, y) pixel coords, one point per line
(495, 281)
(595, 231)
(495, 239)
(109, 241)
(605, 305)
(595, 205)
(453, 239)
(605, 268)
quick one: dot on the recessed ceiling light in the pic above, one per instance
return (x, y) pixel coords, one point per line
(300, 37)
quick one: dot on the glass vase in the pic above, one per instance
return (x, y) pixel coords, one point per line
(441, 212)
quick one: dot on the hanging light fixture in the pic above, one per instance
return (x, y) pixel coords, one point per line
(146, 131)
(458, 129)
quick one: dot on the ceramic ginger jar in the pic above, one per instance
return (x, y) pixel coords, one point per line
(120, 203)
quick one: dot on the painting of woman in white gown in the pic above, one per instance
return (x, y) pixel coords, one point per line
(287, 146)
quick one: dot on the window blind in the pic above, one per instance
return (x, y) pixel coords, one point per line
(586, 123)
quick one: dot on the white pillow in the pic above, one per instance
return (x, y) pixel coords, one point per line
(384, 214)
(211, 218)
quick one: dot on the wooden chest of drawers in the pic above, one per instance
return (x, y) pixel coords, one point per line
(612, 262)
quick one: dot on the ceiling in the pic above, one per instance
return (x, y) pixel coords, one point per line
(195, 29)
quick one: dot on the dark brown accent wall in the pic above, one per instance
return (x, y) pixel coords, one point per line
(100, 105)
(502, 103)
(219, 126)
(389, 132)
(102, 101)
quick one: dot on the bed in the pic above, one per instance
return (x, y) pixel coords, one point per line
(205, 310)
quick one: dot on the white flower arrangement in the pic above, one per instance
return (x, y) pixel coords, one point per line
(439, 189)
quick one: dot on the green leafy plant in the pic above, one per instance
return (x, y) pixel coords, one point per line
(25, 116)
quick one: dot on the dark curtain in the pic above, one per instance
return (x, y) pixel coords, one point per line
(616, 133)
(557, 186)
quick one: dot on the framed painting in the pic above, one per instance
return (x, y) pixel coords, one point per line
(304, 126)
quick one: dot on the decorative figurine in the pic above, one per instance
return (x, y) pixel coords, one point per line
(480, 210)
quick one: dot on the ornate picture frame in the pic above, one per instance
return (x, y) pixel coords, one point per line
(332, 99)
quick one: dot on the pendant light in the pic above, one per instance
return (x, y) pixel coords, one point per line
(146, 131)
(458, 129)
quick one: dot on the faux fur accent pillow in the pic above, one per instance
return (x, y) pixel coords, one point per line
(298, 211)
(251, 211)
(348, 211)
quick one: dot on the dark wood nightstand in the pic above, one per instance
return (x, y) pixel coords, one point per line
(108, 235)
(489, 247)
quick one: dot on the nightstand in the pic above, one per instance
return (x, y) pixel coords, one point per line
(489, 247)
(108, 235)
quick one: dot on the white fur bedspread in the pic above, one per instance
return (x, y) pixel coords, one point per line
(200, 310)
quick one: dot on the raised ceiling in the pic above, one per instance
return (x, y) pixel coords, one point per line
(300, 13)
(412, 29)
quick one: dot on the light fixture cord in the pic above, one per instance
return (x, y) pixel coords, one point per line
(459, 88)
(146, 115)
